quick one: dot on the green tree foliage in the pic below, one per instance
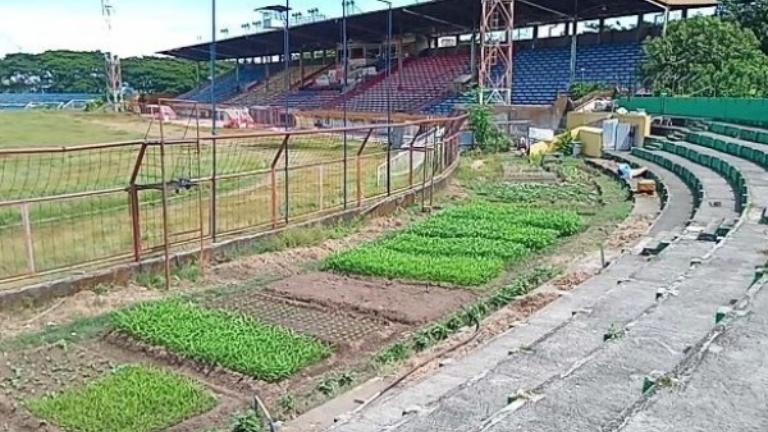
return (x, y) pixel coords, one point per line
(83, 72)
(751, 14)
(487, 135)
(707, 56)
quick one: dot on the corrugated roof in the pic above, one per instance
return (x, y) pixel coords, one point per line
(435, 17)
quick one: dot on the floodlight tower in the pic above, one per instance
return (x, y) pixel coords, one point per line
(497, 26)
(114, 75)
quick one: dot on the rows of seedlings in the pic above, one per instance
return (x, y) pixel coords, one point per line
(189, 363)
(470, 244)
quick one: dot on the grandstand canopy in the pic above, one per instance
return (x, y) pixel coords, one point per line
(435, 17)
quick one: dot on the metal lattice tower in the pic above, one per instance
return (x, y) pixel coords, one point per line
(496, 55)
(112, 68)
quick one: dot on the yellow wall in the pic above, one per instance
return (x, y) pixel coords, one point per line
(591, 138)
(592, 141)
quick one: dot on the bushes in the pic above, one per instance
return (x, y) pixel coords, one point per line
(487, 135)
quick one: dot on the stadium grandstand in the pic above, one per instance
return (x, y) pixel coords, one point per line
(434, 56)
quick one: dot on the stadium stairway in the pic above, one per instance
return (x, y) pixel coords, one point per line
(557, 373)
(272, 89)
(728, 388)
(228, 85)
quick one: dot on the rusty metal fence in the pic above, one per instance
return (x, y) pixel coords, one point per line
(71, 207)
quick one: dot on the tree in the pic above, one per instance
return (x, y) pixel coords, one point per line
(83, 72)
(751, 14)
(707, 56)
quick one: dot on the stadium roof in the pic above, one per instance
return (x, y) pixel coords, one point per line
(435, 17)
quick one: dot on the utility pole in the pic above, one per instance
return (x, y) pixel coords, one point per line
(112, 68)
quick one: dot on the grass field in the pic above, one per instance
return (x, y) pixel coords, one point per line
(82, 229)
(43, 129)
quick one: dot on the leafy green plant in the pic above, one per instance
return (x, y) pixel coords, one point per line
(564, 143)
(235, 341)
(472, 247)
(531, 237)
(288, 403)
(330, 385)
(379, 261)
(504, 215)
(249, 421)
(131, 399)
(580, 89)
(487, 134)
(394, 354)
(558, 195)
(468, 245)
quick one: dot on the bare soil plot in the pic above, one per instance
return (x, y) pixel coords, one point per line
(395, 301)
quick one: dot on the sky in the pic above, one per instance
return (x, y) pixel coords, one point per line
(139, 27)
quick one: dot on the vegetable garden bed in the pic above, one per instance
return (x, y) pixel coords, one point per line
(234, 341)
(467, 245)
(131, 399)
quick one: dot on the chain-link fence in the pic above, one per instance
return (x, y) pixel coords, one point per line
(69, 207)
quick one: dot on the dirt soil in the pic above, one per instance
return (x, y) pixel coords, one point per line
(292, 261)
(49, 369)
(273, 264)
(333, 325)
(395, 301)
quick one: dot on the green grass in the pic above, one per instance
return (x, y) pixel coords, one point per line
(131, 399)
(234, 341)
(383, 262)
(76, 331)
(36, 128)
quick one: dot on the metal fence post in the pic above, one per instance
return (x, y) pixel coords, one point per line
(321, 183)
(273, 180)
(285, 180)
(134, 206)
(28, 239)
(164, 195)
(359, 169)
(213, 216)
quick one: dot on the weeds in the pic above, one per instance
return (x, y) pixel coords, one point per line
(442, 330)
(332, 384)
(150, 280)
(249, 421)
